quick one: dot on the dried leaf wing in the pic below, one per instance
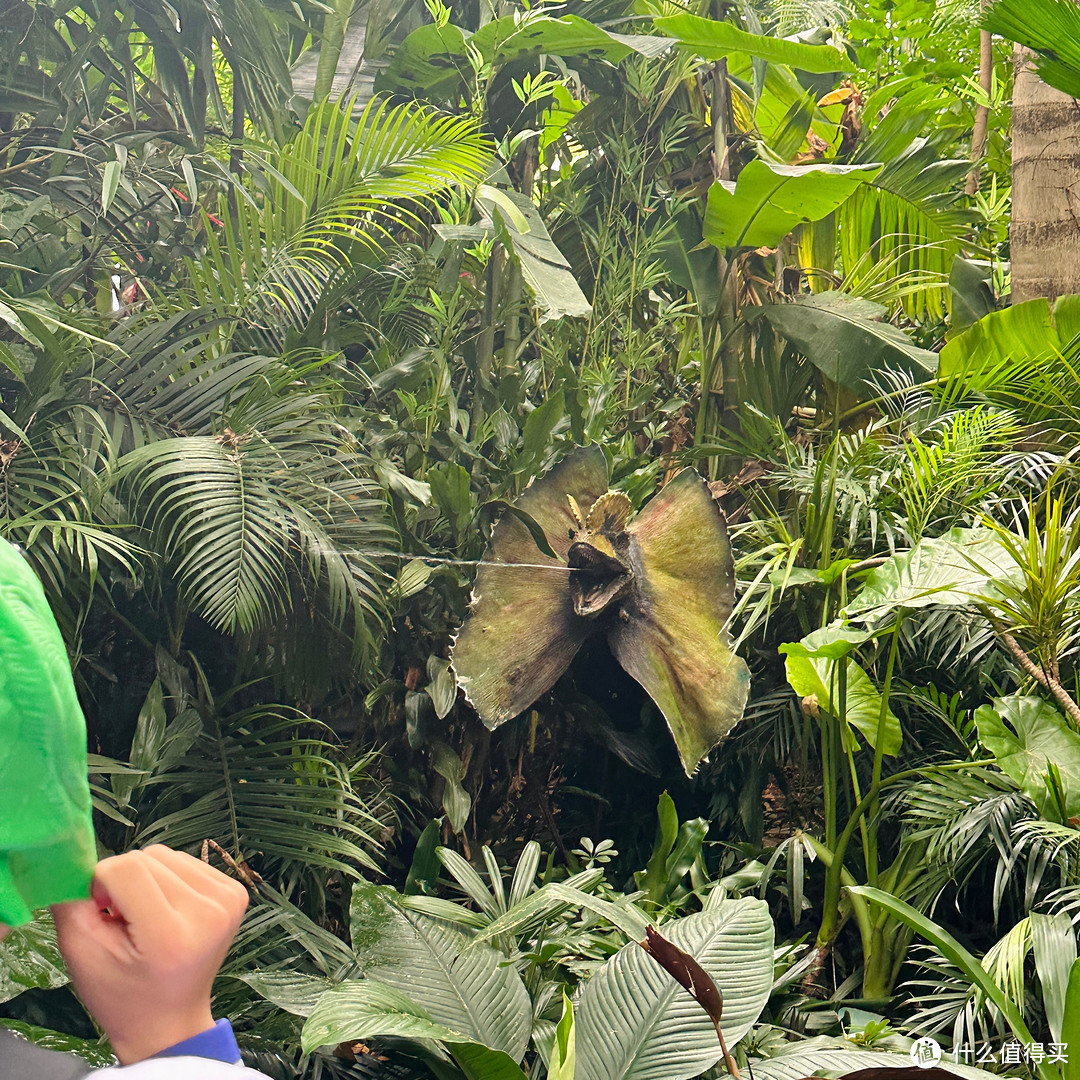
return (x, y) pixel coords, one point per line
(583, 475)
(670, 634)
(521, 631)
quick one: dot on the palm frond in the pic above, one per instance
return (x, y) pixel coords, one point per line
(329, 199)
(968, 820)
(907, 219)
(55, 478)
(281, 494)
(269, 786)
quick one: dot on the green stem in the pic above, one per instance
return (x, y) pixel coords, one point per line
(879, 751)
(831, 902)
(335, 23)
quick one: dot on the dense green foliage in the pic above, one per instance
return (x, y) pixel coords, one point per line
(275, 358)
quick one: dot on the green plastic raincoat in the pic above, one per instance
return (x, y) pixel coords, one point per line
(47, 850)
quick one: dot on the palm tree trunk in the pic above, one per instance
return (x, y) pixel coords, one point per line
(1044, 237)
(982, 112)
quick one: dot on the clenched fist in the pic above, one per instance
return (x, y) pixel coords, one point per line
(143, 952)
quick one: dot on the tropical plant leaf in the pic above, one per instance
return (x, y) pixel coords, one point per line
(1020, 333)
(768, 201)
(1026, 735)
(954, 569)
(848, 339)
(634, 1022)
(277, 504)
(331, 198)
(433, 61)
(463, 987)
(906, 227)
(563, 1062)
(365, 1009)
(1050, 28)
(823, 1055)
(296, 992)
(524, 235)
(92, 1051)
(31, 960)
(265, 791)
(1053, 943)
(818, 677)
(712, 39)
(952, 950)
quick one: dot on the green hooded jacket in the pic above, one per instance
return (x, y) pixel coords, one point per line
(47, 849)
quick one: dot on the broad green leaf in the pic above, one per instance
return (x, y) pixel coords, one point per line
(952, 950)
(30, 959)
(500, 200)
(412, 577)
(971, 287)
(515, 220)
(1071, 1018)
(433, 61)
(768, 201)
(446, 910)
(779, 96)
(472, 884)
(667, 832)
(480, 1062)
(1025, 735)
(628, 917)
(110, 179)
(295, 992)
(544, 268)
(691, 265)
(509, 39)
(830, 642)
(688, 846)
(1015, 334)
(450, 488)
(824, 1056)
(368, 1009)
(818, 677)
(954, 569)
(713, 40)
(441, 688)
(96, 1054)
(1053, 943)
(468, 990)
(146, 746)
(524, 873)
(557, 116)
(634, 1022)
(849, 339)
(189, 179)
(564, 1051)
(536, 437)
(456, 800)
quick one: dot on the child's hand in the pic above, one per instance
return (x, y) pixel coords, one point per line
(144, 951)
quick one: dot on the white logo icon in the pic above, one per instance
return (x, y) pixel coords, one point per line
(925, 1052)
